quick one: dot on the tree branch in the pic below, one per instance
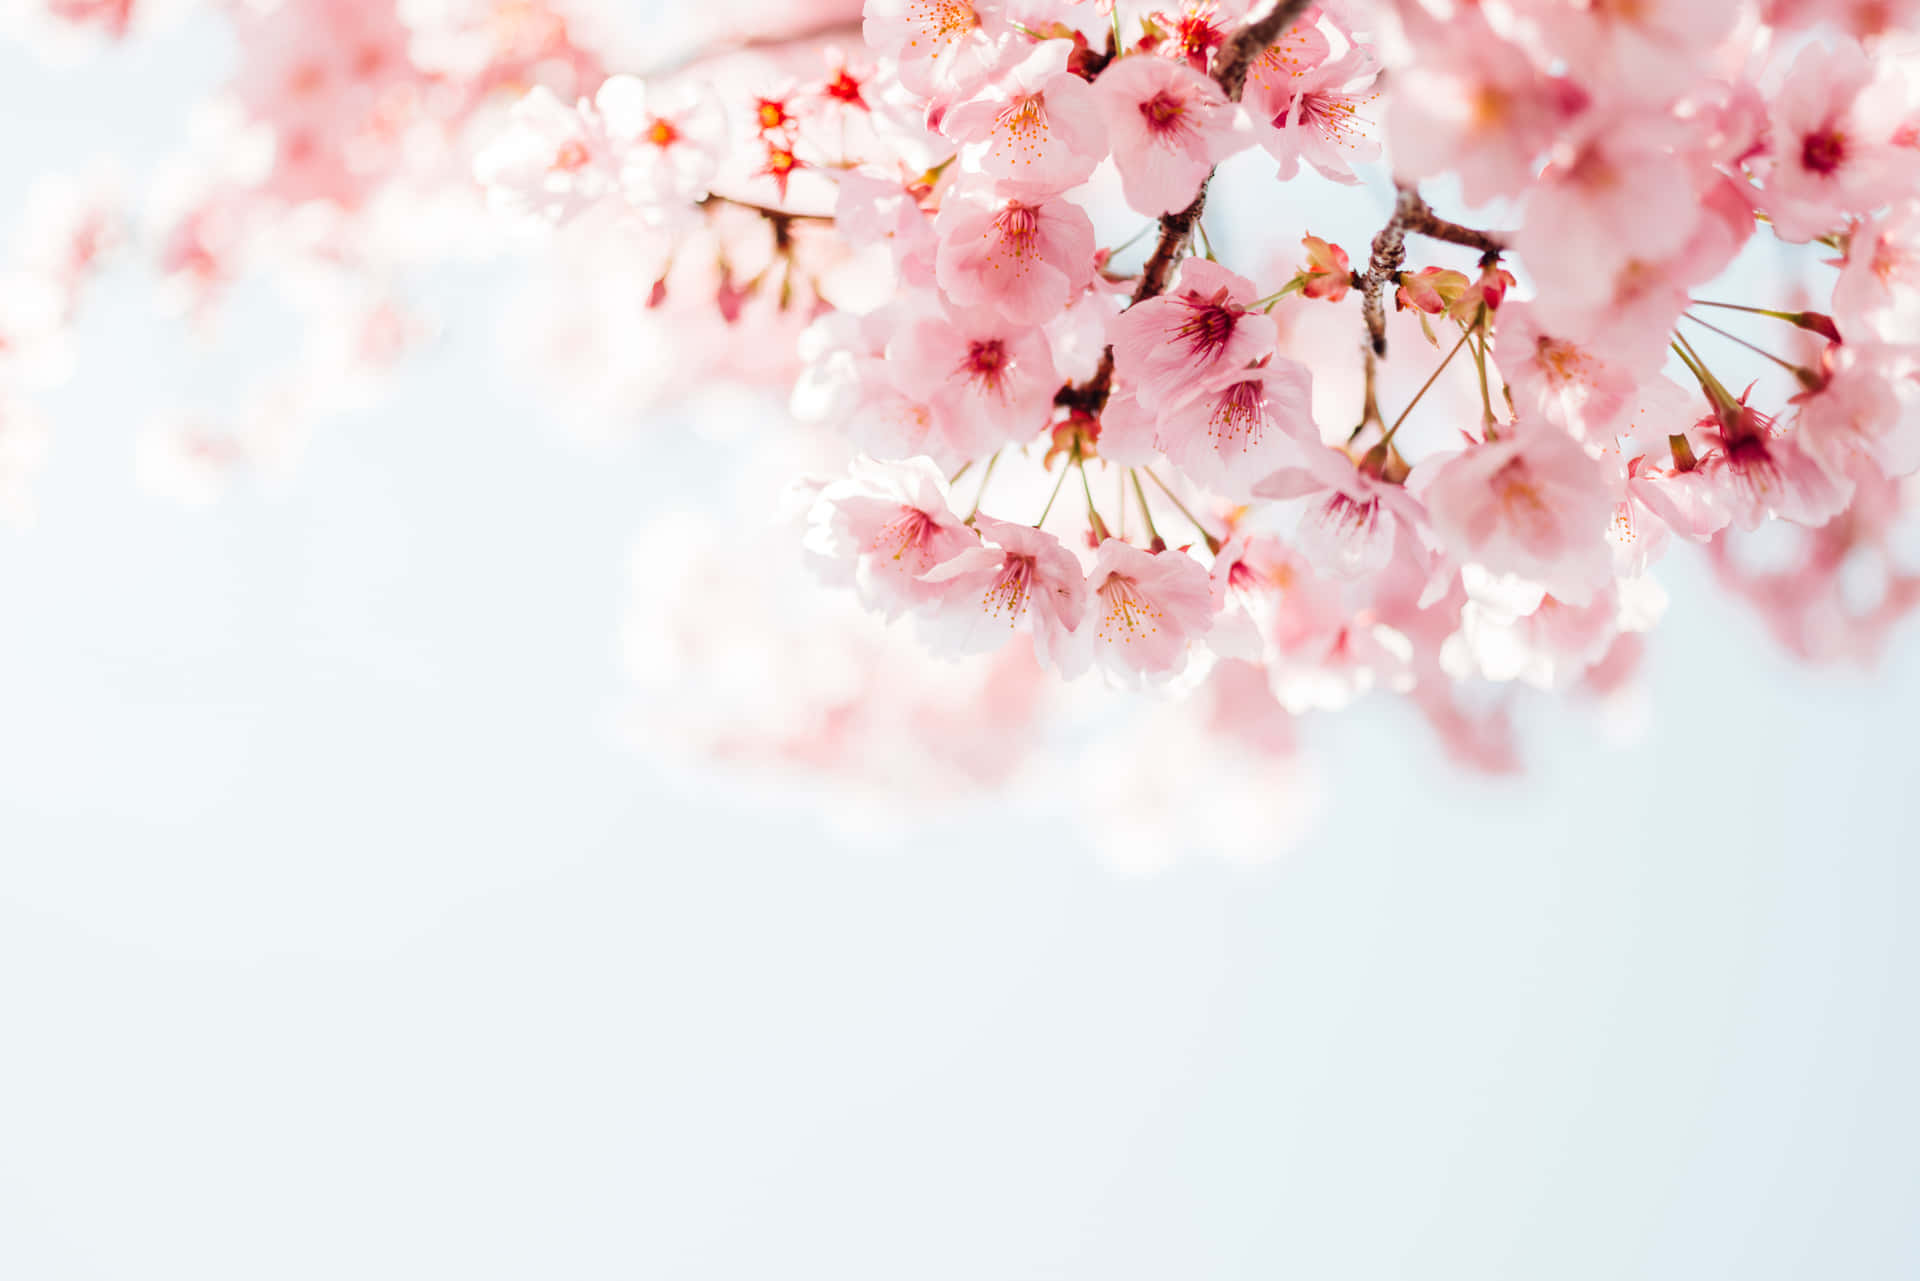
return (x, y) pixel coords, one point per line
(1426, 223)
(1230, 67)
(1410, 214)
(1236, 57)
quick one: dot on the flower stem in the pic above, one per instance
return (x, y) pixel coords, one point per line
(1057, 485)
(1487, 422)
(1697, 365)
(1156, 543)
(1272, 300)
(1213, 544)
(1427, 386)
(1093, 513)
(985, 477)
(1130, 241)
(1734, 306)
(1805, 377)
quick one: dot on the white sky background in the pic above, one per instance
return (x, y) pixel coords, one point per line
(340, 935)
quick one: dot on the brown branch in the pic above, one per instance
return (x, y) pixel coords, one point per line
(1230, 67)
(1429, 224)
(781, 218)
(1236, 57)
(1411, 214)
(1389, 255)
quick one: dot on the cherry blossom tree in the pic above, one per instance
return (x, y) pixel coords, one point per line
(1632, 277)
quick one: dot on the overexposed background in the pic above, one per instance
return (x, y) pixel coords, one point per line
(343, 935)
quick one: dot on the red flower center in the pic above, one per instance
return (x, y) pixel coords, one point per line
(1163, 112)
(1823, 152)
(986, 362)
(844, 88)
(1209, 325)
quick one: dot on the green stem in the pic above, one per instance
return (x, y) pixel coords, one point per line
(1057, 485)
(985, 477)
(1272, 300)
(1486, 396)
(1146, 513)
(1426, 386)
(1213, 544)
(1130, 241)
(1093, 512)
(1716, 390)
(1751, 311)
(1805, 377)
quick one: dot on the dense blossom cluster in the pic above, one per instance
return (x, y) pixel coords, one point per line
(1673, 300)
(1208, 512)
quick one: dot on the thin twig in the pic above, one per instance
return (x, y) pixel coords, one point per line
(776, 216)
(1411, 215)
(1213, 544)
(1429, 224)
(1425, 387)
(1230, 67)
(1155, 542)
(1389, 255)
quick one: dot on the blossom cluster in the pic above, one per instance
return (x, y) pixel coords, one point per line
(1258, 354)
(1165, 474)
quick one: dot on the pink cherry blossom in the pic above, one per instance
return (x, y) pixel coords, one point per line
(1549, 643)
(1169, 125)
(939, 46)
(1195, 29)
(1648, 49)
(1327, 662)
(1832, 146)
(883, 527)
(1321, 114)
(1474, 104)
(1128, 431)
(1352, 517)
(1745, 471)
(1039, 126)
(1145, 611)
(1017, 575)
(1587, 218)
(1771, 474)
(1167, 348)
(1859, 18)
(552, 162)
(1867, 408)
(1564, 382)
(1878, 293)
(997, 377)
(1236, 434)
(878, 211)
(669, 138)
(894, 415)
(1025, 260)
(1814, 609)
(1532, 504)
(1694, 502)
(1265, 593)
